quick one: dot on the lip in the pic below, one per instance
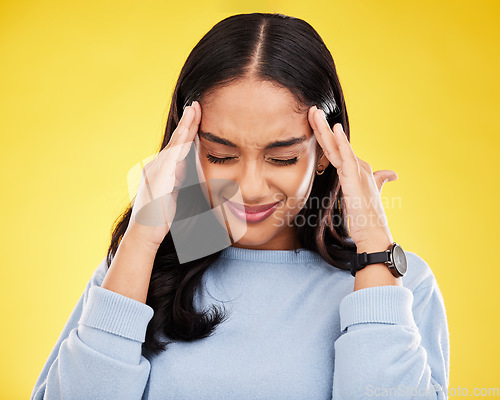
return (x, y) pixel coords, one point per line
(251, 209)
(251, 214)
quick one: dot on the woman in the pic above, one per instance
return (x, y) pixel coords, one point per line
(276, 305)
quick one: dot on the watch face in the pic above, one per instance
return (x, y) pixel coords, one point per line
(399, 259)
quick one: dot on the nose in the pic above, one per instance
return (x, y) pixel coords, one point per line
(253, 183)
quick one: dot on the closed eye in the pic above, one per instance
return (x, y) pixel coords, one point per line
(217, 160)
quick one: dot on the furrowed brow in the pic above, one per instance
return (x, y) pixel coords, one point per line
(280, 143)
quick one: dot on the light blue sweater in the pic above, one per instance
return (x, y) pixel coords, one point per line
(296, 330)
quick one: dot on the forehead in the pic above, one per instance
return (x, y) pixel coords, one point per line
(252, 114)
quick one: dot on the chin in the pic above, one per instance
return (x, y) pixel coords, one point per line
(255, 239)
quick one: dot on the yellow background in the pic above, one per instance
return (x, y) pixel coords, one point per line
(84, 89)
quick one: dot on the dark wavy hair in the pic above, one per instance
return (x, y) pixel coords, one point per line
(288, 52)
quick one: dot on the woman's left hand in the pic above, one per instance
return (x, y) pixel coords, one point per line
(361, 187)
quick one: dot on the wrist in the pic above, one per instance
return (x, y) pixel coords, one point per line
(377, 274)
(374, 244)
(136, 240)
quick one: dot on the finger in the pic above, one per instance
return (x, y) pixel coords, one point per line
(187, 138)
(349, 160)
(175, 146)
(310, 116)
(193, 129)
(178, 135)
(159, 174)
(182, 129)
(325, 138)
(317, 135)
(197, 107)
(383, 176)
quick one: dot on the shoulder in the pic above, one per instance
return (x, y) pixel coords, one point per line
(419, 274)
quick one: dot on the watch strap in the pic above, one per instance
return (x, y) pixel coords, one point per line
(361, 260)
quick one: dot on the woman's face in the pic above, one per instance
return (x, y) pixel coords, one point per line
(237, 147)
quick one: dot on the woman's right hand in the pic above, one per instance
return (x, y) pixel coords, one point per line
(156, 201)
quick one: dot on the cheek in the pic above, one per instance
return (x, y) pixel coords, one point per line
(204, 176)
(213, 171)
(206, 170)
(216, 180)
(300, 183)
(210, 170)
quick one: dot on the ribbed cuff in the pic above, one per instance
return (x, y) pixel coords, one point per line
(114, 313)
(379, 304)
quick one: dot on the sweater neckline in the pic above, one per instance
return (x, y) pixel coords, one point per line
(271, 256)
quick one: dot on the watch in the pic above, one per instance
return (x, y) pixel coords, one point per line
(394, 258)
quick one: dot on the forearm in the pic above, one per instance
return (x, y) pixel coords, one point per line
(384, 359)
(98, 354)
(393, 339)
(130, 271)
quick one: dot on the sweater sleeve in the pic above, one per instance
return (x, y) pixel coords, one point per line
(98, 354)
(394, 342)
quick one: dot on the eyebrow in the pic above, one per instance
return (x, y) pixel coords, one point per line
(280, 143)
